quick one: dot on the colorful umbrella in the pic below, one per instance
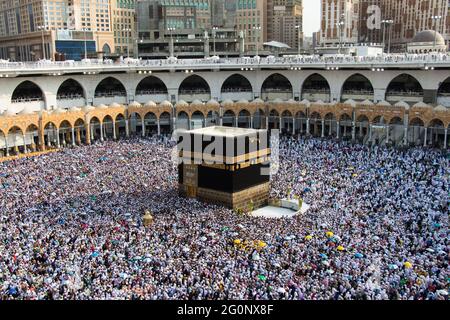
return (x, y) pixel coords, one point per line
(261, 244)
(407, 265)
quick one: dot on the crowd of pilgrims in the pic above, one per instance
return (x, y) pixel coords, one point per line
(377, 228)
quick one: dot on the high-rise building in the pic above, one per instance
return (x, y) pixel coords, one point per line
(369, 30)
(340, 19)
(251, 22)
(285, 21)
(362, 21)
(124, 26)
(196, 28)
(412, 16)
(58, 29)
(223, 23)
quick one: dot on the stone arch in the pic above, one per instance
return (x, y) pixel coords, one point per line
(151, 85)
(16, 140)
(32, 136)
(236, 84)
(396, 121)
(151, 123)
(119, 117)
(110, 87)
(362, 125)
(315, 88)
(197, 119)
(27, 91)
(276, 86)
(330, 124)
(357, 87)
(300, 122)
(259, 119)
(108, 127)
(436, 123)
(80, 131)
(95, 129)
(437, 132)
(136, 124)
(244, 119)
(183, 120)
(50, 135)
(379, 120)
(165, 121)
(345, 125)
(194, 87)
(70, 89)
(362, 118)
(417, 122)
(106, 48)
(315, 124)
(416, 131)
(212, 118)
(444, 93)
(345, 117)
(274, 119)
(4, 149)
(228, 118)
(315, 115)
(65, 133)
(404, 87)
(121, 125)
(286, 121)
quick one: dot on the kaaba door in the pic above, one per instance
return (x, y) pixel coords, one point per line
(191, 192)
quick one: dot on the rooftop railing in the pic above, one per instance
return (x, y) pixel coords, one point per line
(367, 61)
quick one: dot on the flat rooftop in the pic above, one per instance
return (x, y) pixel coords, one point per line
(227, 132)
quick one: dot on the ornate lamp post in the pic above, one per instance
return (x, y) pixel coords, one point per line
(435, 19)
(341, 25)
(298, 33)
(257, 29)
(387, 23)
(42, 28)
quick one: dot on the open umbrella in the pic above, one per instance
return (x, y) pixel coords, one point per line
(393, 267)
(329, 234)
(308, 237)
(340, 248)
(359, 255)
(261, 244)
(407, 265)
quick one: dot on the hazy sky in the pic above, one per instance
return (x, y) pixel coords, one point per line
(311, 16)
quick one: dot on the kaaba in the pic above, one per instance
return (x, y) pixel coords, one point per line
(226, 166)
